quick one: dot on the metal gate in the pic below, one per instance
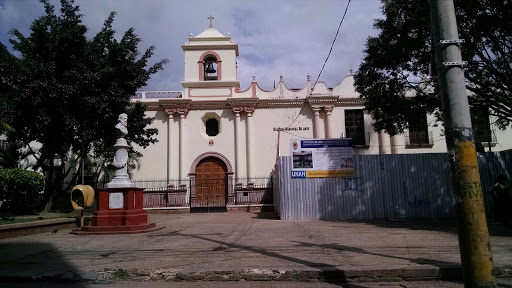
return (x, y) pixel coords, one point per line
(208, 195)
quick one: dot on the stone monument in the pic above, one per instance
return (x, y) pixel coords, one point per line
(121, 178)
(120, 205)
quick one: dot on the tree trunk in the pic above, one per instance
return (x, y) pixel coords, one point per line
(49, 203)
(50, 180)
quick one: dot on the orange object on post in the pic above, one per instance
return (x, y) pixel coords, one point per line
(82, 196)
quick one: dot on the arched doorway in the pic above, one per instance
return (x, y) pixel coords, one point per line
(210, 177)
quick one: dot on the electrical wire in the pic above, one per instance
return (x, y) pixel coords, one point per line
(323, 66)
(295, 135)
(334, 41)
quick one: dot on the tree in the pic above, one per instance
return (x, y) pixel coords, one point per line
(397, 62)
(19, 188)
(67, 90)
(5, 85)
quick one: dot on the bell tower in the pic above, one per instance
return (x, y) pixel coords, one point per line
(210, 65)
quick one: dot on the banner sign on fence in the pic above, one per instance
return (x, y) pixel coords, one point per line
(316, 158)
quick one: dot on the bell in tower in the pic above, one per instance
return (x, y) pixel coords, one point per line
(209, 68)
(210, 73)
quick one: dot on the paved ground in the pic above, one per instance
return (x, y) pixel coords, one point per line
(241, 284)
(234, 246)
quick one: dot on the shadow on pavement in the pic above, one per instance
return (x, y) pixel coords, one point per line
(341, 248)
(330, 275)
(269, 215)
(35, 262)
(447, 225)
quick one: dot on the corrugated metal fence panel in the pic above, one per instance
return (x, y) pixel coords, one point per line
(276, 193)
(385, 186)
(490, 166)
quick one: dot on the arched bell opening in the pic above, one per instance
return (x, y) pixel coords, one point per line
(210, 68)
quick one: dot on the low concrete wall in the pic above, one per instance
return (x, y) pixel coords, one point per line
(40, 226)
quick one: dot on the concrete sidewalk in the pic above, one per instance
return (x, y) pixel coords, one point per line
(235, 246)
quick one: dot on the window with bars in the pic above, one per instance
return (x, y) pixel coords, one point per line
(418, 129)
(481, 124)
(354, 126)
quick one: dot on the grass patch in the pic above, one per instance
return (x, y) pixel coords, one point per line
(178, 278)
(121, 274)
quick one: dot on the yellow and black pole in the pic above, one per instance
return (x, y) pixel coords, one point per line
(475, 248)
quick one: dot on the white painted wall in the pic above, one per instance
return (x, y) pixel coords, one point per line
(154, 160)
(265, 144)
(197, 142)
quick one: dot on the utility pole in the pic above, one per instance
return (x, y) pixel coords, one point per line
(474, 245)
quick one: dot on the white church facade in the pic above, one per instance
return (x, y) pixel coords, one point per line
(213, 129)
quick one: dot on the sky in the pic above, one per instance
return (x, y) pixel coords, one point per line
(290, 37)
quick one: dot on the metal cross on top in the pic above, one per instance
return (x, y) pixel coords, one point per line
(211, 18)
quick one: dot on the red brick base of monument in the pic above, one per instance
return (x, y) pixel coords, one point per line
(120, 212)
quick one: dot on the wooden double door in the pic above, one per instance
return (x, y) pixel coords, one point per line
(211, 184)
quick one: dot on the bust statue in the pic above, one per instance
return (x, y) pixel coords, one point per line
(121, 125)
(121, 177)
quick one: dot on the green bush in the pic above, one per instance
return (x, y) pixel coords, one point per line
(19, 189)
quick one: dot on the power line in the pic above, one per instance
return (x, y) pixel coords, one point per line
(323, 66)
(332, 45)
(294, 134)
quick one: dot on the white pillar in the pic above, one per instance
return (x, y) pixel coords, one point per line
(237, 111)
(170, 122)
(248, 127)
(394, 144)
(328, 122)
(384, 143)
(316, 130)
(183, 114)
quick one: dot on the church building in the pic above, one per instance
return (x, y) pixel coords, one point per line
(215, 130)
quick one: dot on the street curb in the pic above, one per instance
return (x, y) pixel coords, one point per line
(326, 274)
(355, 274)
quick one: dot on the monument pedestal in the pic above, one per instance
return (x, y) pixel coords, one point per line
(120, 211)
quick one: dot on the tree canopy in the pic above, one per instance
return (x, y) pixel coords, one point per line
(65, 91)
(397, 62)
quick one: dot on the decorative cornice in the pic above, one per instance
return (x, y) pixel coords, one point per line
(211, 84)
(243, 101)
(211, 46)
(324, 100)
(228, 103)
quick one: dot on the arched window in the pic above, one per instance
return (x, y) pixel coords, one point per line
(210, 68)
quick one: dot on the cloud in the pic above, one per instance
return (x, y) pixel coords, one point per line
(291, 38)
